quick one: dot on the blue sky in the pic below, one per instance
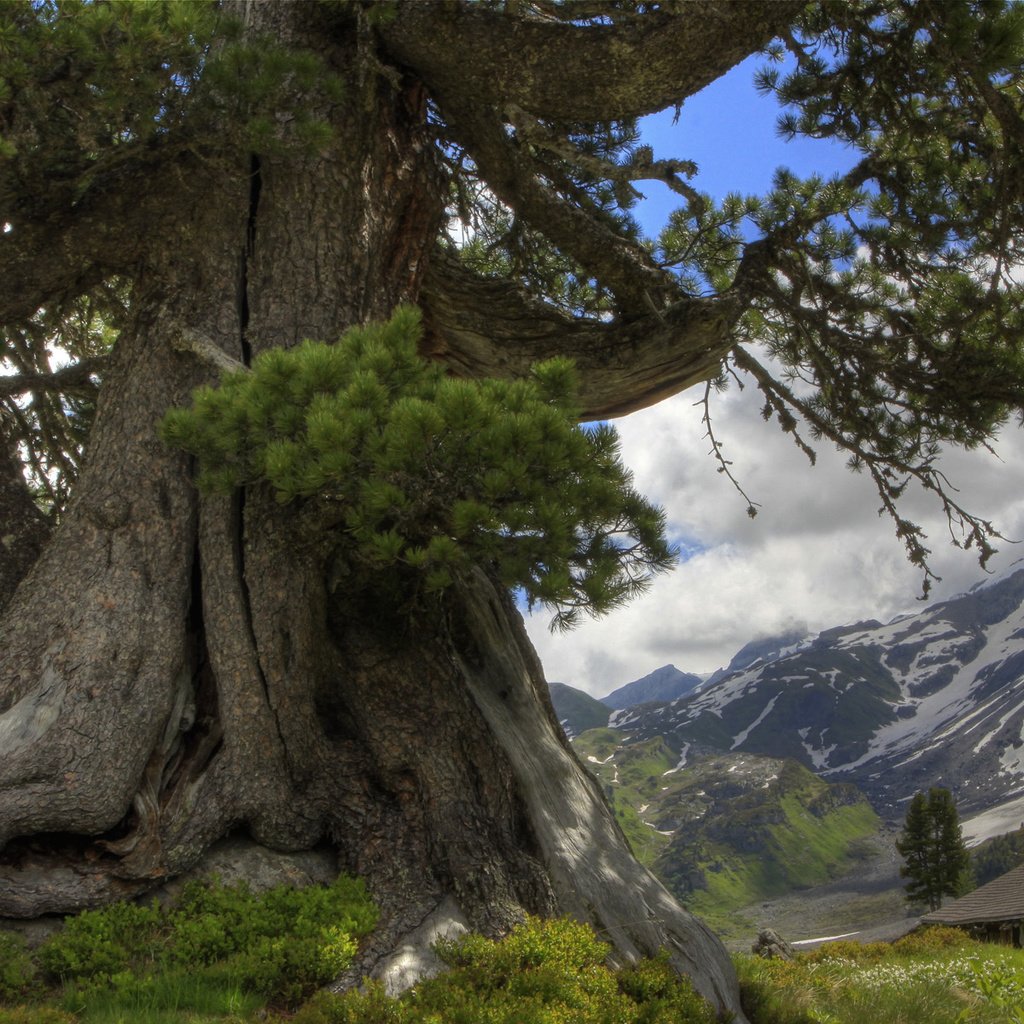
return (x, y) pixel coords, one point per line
(728, 130)
(818, 554)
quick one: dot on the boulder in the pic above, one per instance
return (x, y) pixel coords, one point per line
(772, 946)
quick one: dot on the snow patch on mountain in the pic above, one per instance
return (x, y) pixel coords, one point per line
(935, 697)
(741, 738)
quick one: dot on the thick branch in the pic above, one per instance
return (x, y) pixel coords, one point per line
(619, 264)
(581, 73)
(64, 248)
(485, 327)
(75, 377)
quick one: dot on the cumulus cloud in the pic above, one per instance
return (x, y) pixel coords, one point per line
(817, 555)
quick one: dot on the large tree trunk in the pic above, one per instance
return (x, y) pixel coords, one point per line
(175, 668)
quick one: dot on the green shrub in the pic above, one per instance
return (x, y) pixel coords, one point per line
(97, 944)
(933, 939)
(18, 974)
(544, 972)
(216, 943)
(854, 952)
(283, 944)
(369, 1005)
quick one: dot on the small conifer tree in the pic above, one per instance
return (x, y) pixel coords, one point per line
(936, 861)
(409, 476)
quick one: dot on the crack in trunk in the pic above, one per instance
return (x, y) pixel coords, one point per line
(238, 508)
(255, 188)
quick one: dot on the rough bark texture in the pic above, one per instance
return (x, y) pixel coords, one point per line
(175, 669)
(481, 327)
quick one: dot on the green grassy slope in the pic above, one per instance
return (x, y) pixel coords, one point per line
(576, 710)
(730, 829)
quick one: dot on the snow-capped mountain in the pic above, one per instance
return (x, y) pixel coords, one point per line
(934, 698)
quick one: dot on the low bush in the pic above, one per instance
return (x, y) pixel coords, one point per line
(851, 952)
(544, 972)
(19, 977)
(933, 939)
(221, 949)
(102, 943)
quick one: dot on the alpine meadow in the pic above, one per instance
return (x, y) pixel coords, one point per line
(313, 316)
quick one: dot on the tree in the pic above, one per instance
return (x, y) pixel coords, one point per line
(186, 187)
(932, 846)
(997, 855)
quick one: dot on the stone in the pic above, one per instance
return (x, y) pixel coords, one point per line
(772, 946)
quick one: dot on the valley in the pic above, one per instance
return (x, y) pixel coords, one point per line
(770, 794)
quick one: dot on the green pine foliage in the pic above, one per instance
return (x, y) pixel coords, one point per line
(405, 470)
(913, 846)
(936, 861)
(89, 90)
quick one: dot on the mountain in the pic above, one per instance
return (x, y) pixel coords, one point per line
(663, 684)
(763, 649)
(577, 711)
(730, 830)
(934, 698)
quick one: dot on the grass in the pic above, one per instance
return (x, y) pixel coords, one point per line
(802, 851)
(747, 842)
(937, 977)
(164, 998)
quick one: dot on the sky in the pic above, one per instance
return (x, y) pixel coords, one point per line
(818, 554)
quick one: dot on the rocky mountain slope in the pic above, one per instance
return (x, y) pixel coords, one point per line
(725, 831)
(578, 711)
(933, 698)
(663, 684)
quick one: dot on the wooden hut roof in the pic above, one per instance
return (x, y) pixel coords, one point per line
(1002, 899)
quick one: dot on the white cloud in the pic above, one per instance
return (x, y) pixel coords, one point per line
(817, 554)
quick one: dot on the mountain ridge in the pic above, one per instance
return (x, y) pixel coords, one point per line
(932, 697)
(663, 684)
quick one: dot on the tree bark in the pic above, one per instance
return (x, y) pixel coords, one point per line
(175, 668)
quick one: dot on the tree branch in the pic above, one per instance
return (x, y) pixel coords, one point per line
(59, 247)
(622, 266)
(485, 327)
(643, 166)
(76, 377)
(890, 473)
(580, 72)
(206, 351)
